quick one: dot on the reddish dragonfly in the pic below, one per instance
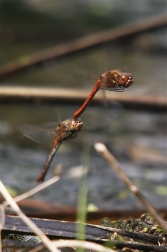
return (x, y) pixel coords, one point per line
(65, 130)
(113, 81)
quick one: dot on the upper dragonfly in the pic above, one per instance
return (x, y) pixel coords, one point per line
(113, 80)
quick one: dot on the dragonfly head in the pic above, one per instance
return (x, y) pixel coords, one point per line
(126, 80)
(76, 124)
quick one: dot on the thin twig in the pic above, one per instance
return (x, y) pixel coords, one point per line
(23, 95)
(82, 44)
(34, 190)
(29, 223)
(101, 148)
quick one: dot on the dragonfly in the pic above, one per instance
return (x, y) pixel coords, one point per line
(113, 80)
(65, 130)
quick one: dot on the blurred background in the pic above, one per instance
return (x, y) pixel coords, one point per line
(137, 138)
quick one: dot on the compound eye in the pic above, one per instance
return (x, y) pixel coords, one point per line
(79, 125)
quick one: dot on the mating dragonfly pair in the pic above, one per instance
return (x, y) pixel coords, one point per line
(113, 80)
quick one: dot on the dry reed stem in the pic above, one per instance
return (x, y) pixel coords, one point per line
(80, 44)
(29, 223)
(23, 95)
(102, 149)
(34, 190)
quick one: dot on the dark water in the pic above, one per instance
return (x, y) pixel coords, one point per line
(137, 139)
(20, 164)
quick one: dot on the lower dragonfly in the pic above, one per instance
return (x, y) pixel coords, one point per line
(65, 130)
(113, 80)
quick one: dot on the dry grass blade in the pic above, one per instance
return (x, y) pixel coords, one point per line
(34, 190)
(84, 244)
(29, 223)
(76, 243)
(101, 148)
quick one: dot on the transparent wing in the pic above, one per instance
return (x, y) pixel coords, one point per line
(37, 133)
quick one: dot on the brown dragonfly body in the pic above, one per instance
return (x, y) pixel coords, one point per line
(112, 81)
(65, 130)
